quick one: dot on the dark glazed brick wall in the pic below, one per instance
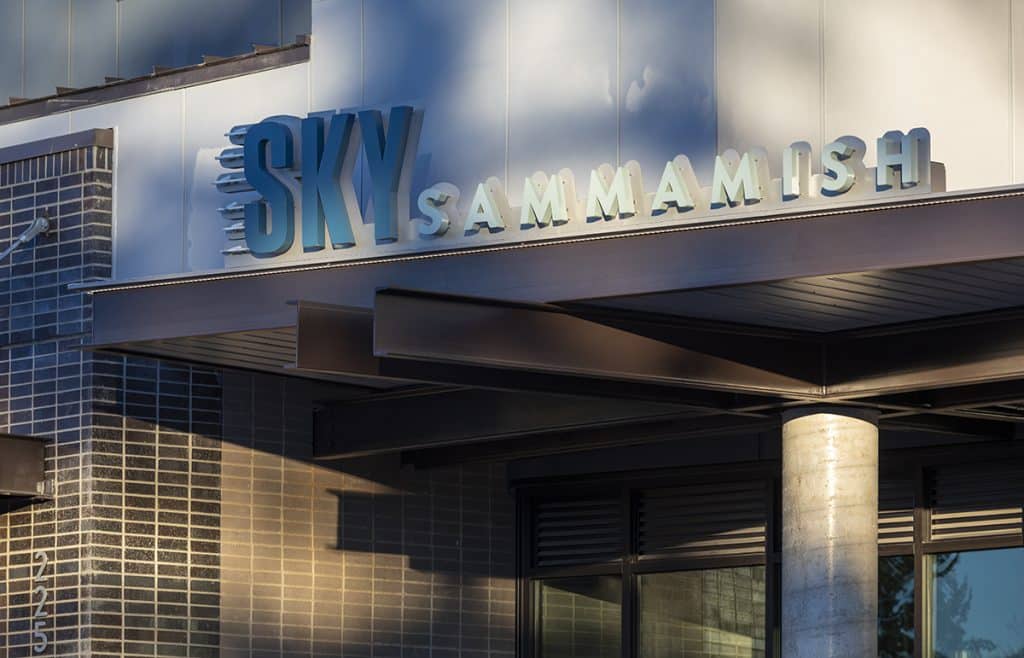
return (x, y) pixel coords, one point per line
(132, 535)
(44, 384)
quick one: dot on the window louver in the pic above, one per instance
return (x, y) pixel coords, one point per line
(572, 532)
(895, 512)
(712, 520)
(977, 501)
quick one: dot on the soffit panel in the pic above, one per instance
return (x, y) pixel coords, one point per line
(847, 301)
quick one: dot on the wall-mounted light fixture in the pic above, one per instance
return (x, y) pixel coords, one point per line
(39, 225)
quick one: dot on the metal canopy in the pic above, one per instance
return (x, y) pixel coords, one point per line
(840, 302)
(910, 306)
(894, 367)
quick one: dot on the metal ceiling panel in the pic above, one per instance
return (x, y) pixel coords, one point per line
(842, 302)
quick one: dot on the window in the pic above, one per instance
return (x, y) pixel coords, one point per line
(709, 612)
(977, 604)
(669, 570)
(650, 571)
(580, 617)
(896, 606)
(896, 497)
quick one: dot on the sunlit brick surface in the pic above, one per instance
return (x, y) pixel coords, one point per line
(189, 518)
(357, 558)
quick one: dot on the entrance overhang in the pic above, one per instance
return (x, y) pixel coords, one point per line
(893, 305)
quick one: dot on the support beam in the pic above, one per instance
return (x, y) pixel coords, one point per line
(333, 340)
(633, 434)
(550, 340)
(862, 366)
(453, 417)
(978, 428)
(960, 351)
(959, 398)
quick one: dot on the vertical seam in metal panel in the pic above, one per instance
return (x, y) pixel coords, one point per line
(1013, 135)
(714, 77)
(117, 38)
(362, 55)
(184, 187)
(24, 45)
(71, 18)
(363, 204)
(112, 165)
(508, 83)
(618, 83)
(822, 95)
(280, 22)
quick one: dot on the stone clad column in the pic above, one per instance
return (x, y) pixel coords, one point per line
(829, 533)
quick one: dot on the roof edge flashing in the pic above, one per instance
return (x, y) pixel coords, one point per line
(160, 81)
(103, 137)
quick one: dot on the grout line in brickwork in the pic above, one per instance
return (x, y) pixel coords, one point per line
(405, 567)
(433, 556)
(189, 547)
(30, 343)
(157, 440)
(284, 573)
(252, 517)
(312, 553)
(124, 506)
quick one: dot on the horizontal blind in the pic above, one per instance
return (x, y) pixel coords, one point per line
(977, 501)
(573, 532)
(707, 520)
(895, 512)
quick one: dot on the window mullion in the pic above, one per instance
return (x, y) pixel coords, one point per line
(630, 648)
(922, 524)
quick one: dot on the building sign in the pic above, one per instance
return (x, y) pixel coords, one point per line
(307, 206)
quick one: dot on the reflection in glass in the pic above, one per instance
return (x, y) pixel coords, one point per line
(703, 614)
(581, 617)
(977, 604)
(896, 607)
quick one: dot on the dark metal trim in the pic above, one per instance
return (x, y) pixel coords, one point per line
(585, 439)
(976, 544)
(613, 568)
(96, 137)
(656, 564)
(524, 625)
(178, 78)
(922, 526)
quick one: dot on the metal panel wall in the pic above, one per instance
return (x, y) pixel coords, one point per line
(577, 84)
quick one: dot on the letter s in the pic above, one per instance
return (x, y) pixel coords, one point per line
(273, 240)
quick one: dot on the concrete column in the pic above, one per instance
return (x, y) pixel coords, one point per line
(829, 533)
